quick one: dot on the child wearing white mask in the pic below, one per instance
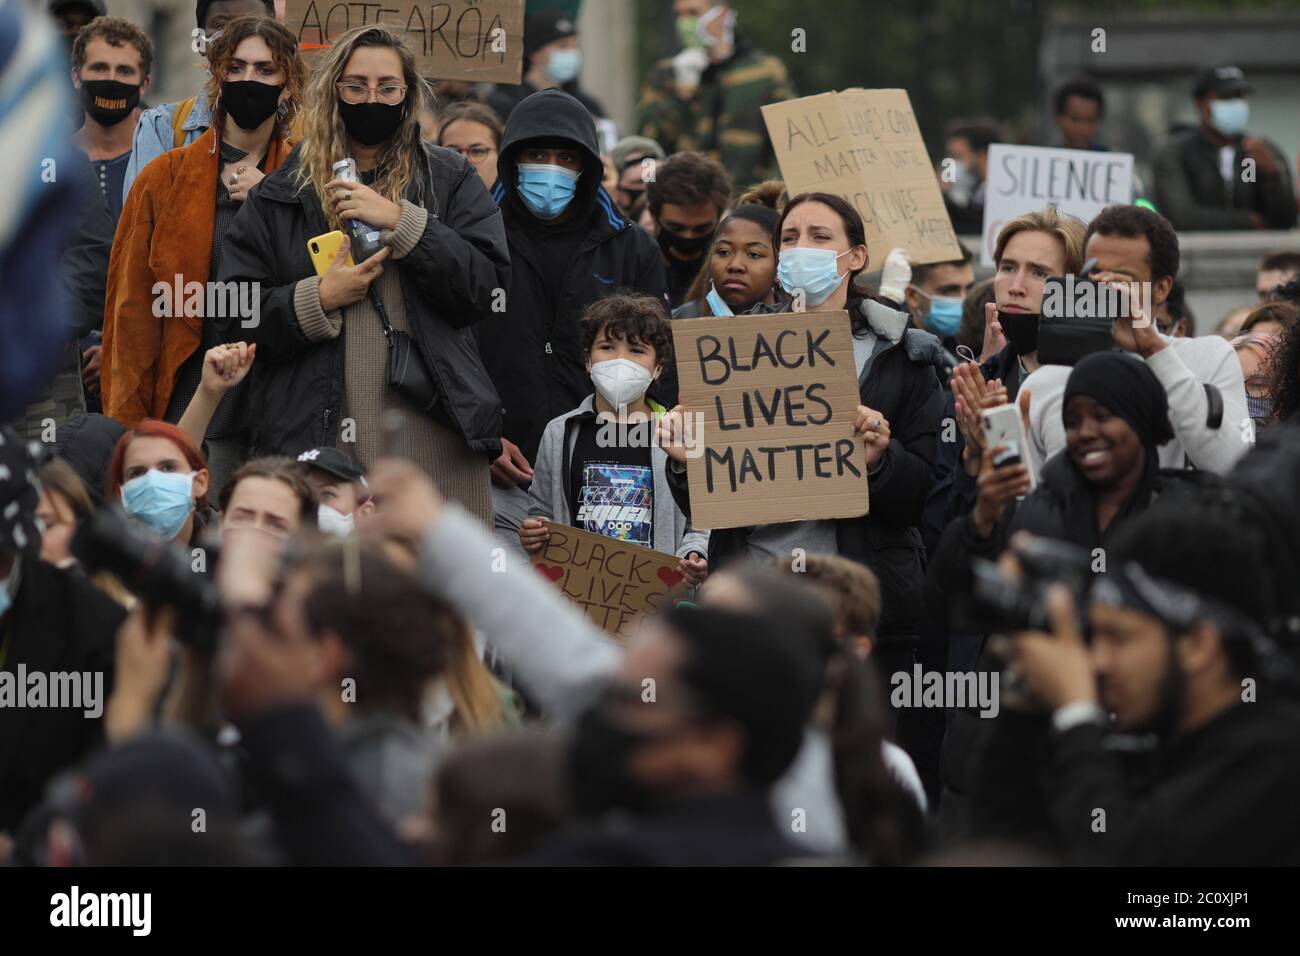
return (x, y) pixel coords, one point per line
(340, 485)
(598, 467)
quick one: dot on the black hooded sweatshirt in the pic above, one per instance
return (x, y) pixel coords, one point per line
(535, 356)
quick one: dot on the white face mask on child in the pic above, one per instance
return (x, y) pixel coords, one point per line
(620, 381)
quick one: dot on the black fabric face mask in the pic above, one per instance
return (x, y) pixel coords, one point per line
(250, 103)
(1021, 330)
(370, 123)
(109, 101)
(690, 246)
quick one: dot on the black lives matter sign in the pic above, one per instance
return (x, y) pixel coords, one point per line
(775, 396)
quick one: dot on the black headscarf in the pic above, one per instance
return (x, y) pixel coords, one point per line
(1127, 388)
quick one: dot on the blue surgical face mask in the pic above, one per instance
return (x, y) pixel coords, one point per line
(564, 65)
(1230, 117)
(809, 269)
(944, 316)
(161, 501)
(545, 189)
(717, 303)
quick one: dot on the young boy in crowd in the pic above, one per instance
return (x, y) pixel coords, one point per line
(598, 468)
(340, 485)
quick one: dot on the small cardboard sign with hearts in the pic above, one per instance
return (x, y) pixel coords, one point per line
(615, 583)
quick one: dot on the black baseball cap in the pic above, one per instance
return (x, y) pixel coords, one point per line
(1222, 81)
(334, 461)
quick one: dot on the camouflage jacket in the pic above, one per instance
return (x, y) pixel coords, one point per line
(723, 117)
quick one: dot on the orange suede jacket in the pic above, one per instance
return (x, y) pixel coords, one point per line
(165, 230)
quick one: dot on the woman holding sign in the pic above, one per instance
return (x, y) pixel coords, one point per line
(347, 347)
(822, 248)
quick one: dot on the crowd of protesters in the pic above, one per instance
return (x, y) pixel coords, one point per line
(270, 558)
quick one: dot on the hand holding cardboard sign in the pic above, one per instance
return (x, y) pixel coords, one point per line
(672, 433)
(695, 568)
(873, 428)
(533, 534)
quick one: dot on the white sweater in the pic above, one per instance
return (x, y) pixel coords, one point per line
(1183, 369)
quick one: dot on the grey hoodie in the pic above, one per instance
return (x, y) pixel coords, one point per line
(673, 533)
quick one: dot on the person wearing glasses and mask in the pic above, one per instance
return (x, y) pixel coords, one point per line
(440, 269)
(474, 131)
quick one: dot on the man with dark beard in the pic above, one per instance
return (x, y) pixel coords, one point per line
(1177, 652)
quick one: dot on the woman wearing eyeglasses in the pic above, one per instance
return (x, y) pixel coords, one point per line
(171, 237)
(441, 268)
(474, 131)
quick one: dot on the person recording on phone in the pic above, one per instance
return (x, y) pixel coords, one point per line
(1175, 648)
(439, 268)
(175, 223)
(1134, 245)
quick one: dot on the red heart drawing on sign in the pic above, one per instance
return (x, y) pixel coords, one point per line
(669, 577)
(550, 573)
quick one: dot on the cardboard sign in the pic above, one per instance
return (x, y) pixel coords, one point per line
(1079, 182)
(613, 582)
(475, 40)
(775, 396)
(864, 145)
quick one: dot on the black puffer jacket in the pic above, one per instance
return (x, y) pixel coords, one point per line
(534, 352)
(902, 383)
(449, 282)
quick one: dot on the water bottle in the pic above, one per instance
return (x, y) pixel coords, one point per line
(364, 237)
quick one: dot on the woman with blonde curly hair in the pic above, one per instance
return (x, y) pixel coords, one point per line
(441, 267)
(174, 225)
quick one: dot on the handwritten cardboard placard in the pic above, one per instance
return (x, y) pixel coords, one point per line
(865, 146)
(1022, 179)
(475, 40)
(615, 583)
(776, 396)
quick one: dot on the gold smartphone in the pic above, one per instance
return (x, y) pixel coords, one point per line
(324, 248)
